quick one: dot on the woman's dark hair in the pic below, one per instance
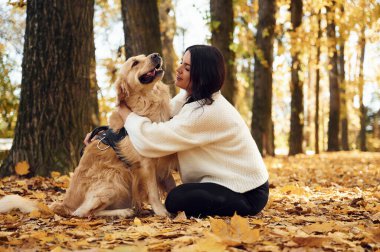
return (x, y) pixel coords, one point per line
(207, 73)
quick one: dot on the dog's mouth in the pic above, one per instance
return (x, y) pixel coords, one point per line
(150, 76)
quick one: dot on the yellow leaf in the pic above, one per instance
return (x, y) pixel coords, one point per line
(211, 243)
(237, 232)
(81, 243)
(319, 227)
(180, 217)
(311, 241)
(137, 222)
(39, 235)
(15, 242)
(55, 174)
(39, 195)
(130, 249)
(22, 168)
(21, 183)
(258, 222)
(5, 234)
(240, 230)
(45, 209)
(219, 227)
(57, 249)
(35, 214)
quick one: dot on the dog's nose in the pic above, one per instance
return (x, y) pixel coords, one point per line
(155, 55)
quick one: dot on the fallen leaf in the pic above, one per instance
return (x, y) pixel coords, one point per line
(241, 230)
(181, 216)
(55, 174)
(319, 227)
(35, 214)
(375, 217)
(22, 168)
(137, 222)
(311, 241)
(238, 231)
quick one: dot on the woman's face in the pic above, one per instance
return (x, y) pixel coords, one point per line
(183, 73)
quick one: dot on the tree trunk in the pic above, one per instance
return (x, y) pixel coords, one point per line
(363, 110)
(222, 29)
(53, 116)
(317, 80)
(94, 88)
(334, 114)
(343, 95)
(376, 125)
(168, 29)
(296, 85)
(262, 97)
(141, 27)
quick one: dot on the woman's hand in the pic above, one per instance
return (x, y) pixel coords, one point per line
(87, 140)
(124, 111)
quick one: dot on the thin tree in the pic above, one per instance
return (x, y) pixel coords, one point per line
(317, 81)
(141, 27)
(222, 29)
(363, 110)
(262, 126)
(53, 115)
(342, 84)
(168, 29)
(334, 114)
(296, 85)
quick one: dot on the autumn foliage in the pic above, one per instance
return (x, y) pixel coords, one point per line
(327, 202)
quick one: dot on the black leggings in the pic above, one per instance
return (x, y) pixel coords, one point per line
(209, 199)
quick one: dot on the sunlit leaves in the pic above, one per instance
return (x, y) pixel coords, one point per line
(326, 202)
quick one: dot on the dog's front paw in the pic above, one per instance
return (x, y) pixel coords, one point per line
(161, 211)
(80, 213)
(115, 121)
(60, 209)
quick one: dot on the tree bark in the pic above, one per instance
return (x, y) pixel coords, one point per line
(296, 85)
(53, 116)
(363, 110)
(334, 114)
(342, 83)
(317, 80)
(222, 29)
(168, 29)
(141, 27)
(262, 97)
(94, 88)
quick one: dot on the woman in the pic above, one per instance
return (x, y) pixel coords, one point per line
(220, 166)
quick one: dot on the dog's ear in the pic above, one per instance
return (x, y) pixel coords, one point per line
(122, 89)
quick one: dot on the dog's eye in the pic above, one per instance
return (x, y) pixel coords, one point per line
(135, 63)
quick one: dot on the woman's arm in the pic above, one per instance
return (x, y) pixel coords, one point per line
(184, 131)
(124, 111)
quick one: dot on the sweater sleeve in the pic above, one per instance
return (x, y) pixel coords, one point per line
(154, 140)
(177, 102)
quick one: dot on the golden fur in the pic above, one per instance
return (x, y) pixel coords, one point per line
(103, 185)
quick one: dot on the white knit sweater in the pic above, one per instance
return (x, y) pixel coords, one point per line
(213, 143)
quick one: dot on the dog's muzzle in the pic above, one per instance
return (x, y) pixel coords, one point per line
(157, 71)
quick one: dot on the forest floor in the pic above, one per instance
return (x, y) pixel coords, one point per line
(326, 202)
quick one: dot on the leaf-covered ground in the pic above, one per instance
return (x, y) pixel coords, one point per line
(327, 202)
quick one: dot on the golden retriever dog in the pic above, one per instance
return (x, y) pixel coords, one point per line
(110, 183)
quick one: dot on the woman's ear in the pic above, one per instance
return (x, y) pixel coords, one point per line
(122, 89)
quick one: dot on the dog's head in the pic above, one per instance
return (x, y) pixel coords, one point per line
(138, 74)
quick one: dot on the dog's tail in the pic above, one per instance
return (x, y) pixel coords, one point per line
(9, 202)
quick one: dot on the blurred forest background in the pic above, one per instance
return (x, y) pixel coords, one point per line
(304, 74)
